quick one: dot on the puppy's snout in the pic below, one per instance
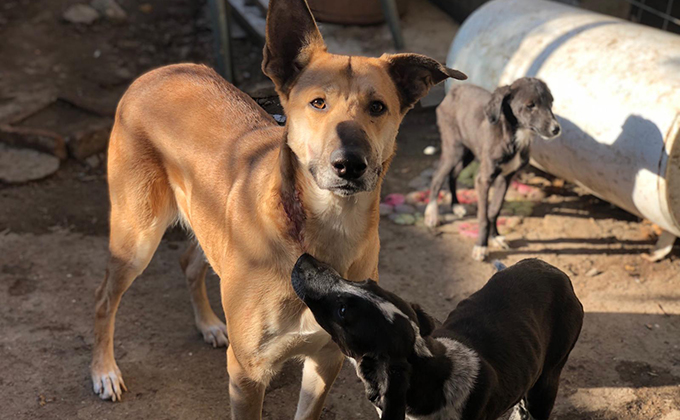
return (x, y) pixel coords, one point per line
(348, 164)
(306, 277)
(306, 265)
(555, 130)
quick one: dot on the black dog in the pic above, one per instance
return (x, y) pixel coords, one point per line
(497, 129)
(502, 348)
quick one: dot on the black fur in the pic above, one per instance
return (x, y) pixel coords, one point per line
(522, 325)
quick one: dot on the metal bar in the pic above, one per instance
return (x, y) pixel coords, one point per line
(669, 9)
(219, 11)
(392, 17)
(654, 11)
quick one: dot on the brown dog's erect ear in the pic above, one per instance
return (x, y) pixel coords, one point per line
(415, 74)
(426, 323)
(495, 106)
(292, 39)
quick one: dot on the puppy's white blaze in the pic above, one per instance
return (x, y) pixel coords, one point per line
(523, 137)
(387, 308)
(460, 383)
(420, 346)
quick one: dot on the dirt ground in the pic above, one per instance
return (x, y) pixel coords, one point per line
(53, 250)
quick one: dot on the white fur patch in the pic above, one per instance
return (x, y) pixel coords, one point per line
(523, 137)
(459, 385)
(386, 307)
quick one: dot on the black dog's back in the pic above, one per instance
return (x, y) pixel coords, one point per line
(523, 324)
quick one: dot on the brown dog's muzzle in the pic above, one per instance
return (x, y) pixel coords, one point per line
(351, 165)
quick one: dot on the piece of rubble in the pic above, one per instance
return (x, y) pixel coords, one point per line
(429, 150)
(34, 138)
(90, 140)
(404, 209)
(110, 9)
(394, 199)
(403, 219)
(23, 165)
(386, 209)
(593, 272)
(81, 13)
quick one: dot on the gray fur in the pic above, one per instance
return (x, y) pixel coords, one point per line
(460, 384)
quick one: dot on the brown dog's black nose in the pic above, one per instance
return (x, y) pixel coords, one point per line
(348, 164)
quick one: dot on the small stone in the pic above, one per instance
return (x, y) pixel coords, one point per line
(593, 272)
(558, 183)
(23, 165)
(416, 197)
(403, 219)
(90, 140)
(404, 209)
(394, 199)
(93, 161)
(430, 150)
(80, 13)
(386, 209)
(110, 9)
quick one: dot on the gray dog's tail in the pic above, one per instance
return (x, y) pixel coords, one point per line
(499, 266)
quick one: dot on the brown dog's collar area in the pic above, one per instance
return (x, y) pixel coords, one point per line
(291, 199)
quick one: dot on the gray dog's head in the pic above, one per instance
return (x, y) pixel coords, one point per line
(526, 104)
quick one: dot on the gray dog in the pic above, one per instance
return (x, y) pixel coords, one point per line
(497, 129)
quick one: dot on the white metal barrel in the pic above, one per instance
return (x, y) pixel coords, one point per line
(616, 86)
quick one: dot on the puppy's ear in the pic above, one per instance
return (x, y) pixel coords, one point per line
(292, 38)
(415, 74)
(494, 108)
(426, 323)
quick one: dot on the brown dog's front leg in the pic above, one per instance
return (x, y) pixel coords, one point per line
(246, 395)
(394, 400)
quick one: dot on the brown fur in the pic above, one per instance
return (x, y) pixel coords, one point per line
(189, 147)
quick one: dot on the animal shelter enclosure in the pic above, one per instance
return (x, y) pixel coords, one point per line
(595, 203)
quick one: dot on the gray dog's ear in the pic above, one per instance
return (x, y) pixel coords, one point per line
(426, 323)
(495, 106)
(292, 39)
(415, 74)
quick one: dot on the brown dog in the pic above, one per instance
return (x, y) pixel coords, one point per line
(187, 146)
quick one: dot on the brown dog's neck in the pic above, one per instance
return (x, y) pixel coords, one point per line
(310, 211)
(291, 199)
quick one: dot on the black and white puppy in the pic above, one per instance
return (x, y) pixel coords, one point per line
(499, 353)
(496, 128)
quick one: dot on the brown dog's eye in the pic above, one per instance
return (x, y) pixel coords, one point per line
(531, 105)
(318, 103)
(377, 108)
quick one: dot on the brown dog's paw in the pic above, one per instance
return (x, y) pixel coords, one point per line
(214, 332)
(107, 381)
